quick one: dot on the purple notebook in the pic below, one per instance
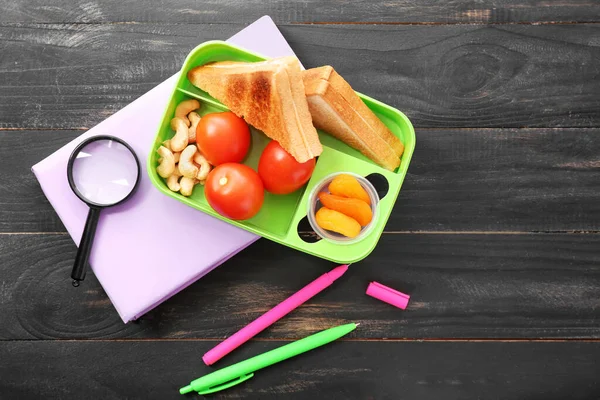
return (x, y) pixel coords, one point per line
(136, 255)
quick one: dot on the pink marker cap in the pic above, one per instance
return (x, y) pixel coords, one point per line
(388, 295)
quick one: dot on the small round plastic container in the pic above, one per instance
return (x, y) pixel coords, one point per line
(314, 205)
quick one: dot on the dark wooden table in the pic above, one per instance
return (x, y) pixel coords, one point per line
(496, 232)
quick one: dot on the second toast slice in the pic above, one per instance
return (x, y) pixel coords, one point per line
(337, 109)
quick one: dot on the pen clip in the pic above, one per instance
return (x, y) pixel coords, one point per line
(228, 384)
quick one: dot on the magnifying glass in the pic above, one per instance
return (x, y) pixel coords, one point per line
(103, 171)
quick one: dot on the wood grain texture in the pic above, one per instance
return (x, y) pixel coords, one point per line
(340, 370)
(300, 11)
(23, 205)
(501, 180)
(459, 180)
(462, 286)
(74, 76)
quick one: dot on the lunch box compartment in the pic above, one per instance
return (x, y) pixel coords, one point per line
(281, 217)
(277, 211)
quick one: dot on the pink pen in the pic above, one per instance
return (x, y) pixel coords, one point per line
(273, 315)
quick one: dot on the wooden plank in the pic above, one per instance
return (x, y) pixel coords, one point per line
(299, 11)
(462, 286)
(501, 180)
(74, 76)
(340, 370)
(459, 180)
(23, 205)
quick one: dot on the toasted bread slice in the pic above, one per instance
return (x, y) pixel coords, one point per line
(337, 109)
(269, 95)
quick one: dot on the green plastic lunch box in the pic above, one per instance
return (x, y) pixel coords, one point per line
(282, 218)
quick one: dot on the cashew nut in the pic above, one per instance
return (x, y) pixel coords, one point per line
(173, 183)
(186, 166)
(195, 118)
(184, 108)
(167, 162)
(180, 140)
(176, 154)
(186, 186)
(204, 166)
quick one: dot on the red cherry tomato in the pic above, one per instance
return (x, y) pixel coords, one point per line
(280, 172)
(234, 190)
(223, 137)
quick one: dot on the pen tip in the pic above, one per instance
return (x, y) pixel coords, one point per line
(357, 324)
(185, 390)
(337, 272)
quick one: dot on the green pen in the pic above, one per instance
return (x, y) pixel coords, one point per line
(242, 371)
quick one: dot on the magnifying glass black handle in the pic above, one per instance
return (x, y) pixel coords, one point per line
(85, 246)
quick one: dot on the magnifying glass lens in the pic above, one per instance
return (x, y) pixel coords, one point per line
(104, 172)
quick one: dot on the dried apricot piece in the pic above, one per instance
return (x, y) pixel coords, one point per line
(354, 208)
(337, 222)
(348, 186)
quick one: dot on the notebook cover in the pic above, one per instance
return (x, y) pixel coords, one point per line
(142, 253)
